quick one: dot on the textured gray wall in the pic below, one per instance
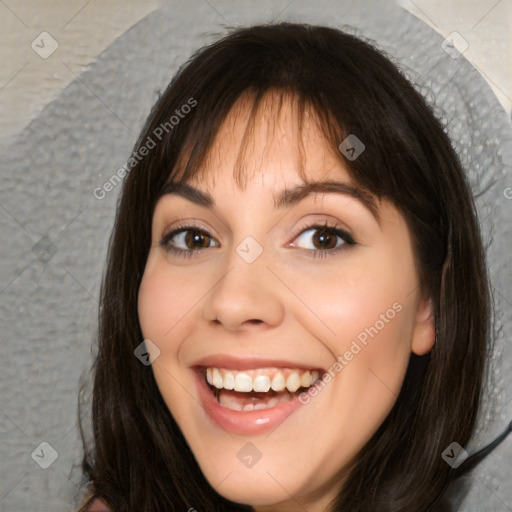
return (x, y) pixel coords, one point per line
(55, 232)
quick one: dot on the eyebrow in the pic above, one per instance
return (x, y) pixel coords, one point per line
(287, 198)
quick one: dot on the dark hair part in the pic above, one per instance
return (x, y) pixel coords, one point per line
(139, 459)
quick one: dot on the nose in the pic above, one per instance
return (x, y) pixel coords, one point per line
(245, 297)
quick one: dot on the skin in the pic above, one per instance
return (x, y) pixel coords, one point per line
(287, 304)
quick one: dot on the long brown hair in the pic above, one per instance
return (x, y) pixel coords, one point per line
(139, 459)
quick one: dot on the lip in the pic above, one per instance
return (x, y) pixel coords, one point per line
(242, 422)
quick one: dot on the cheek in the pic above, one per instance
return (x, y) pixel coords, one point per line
(368, 329)
(155, 303)
(364, 315)
(164, 301)
(362, 302)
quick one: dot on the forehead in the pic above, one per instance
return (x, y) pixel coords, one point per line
(279, 138)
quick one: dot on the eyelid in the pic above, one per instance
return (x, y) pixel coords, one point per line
(184, 225)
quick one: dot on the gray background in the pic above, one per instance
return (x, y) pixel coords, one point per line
(55, 233)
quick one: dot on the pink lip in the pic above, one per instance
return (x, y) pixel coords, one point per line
(230, 362)
(240, 422)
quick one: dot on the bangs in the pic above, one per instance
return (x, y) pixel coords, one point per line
(264, 108)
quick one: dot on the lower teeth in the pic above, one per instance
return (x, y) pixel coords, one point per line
(238, 401)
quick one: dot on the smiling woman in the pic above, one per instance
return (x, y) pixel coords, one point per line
(306, 230)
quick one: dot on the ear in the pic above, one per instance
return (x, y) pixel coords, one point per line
(424, 333)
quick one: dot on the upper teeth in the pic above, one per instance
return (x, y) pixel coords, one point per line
(261, 380)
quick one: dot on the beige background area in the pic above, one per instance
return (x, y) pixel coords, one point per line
(486, 25)
(84, 28)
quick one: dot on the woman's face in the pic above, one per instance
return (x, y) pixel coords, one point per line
(275, 285)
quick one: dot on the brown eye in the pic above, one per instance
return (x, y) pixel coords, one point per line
(187, 241)
(196, 239)
(323, 239)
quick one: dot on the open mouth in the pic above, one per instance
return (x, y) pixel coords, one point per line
(257, 389)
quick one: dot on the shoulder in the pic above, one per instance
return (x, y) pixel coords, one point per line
(98, 506)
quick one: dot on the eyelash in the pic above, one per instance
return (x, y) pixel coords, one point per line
(320, 253)
(333, 230)
(165, 242)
